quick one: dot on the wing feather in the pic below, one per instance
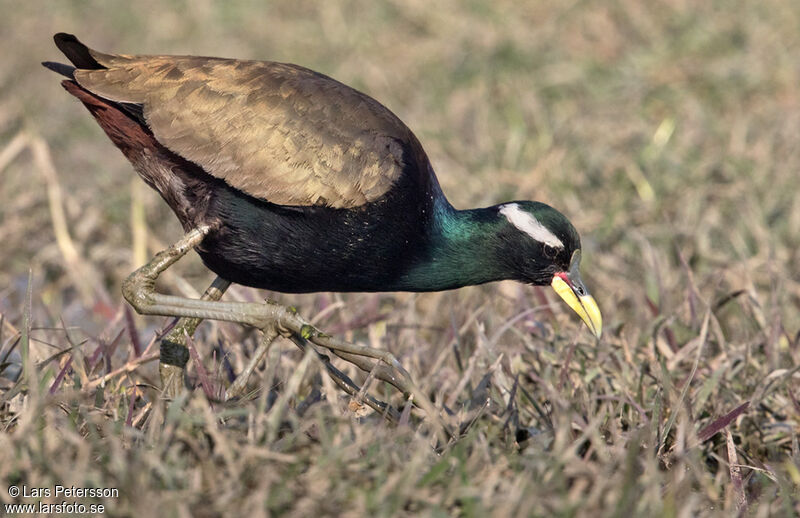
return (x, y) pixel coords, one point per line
(276, 131)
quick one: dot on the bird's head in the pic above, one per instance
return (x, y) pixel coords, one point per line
(543, 248)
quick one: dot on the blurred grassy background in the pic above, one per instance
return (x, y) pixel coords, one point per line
(667, 131)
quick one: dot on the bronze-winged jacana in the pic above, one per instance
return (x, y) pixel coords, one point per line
(288, 180)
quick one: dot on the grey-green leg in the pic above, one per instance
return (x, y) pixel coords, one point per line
(174, 353)
(139, 290)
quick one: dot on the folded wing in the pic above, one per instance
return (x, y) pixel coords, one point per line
(275, 131)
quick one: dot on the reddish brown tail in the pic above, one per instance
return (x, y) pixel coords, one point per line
(125, 132)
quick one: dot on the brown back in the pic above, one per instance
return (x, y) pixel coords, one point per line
(276, 131)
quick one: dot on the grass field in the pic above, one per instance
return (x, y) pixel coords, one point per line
(667, 131)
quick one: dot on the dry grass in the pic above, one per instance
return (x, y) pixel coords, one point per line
(666, 130)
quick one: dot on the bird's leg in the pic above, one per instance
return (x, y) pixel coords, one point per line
(174, 353)
(139, 290)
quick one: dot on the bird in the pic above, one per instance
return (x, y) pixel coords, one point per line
(304, 184)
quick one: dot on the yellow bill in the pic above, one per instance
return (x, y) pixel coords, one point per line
(569, 287)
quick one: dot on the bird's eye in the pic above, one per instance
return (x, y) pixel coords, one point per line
(550, 251)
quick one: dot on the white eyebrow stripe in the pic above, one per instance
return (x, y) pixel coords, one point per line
(525, 222)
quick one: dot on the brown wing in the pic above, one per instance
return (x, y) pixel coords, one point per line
(278, 132)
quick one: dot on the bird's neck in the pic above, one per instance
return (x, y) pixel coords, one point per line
(462, 250)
